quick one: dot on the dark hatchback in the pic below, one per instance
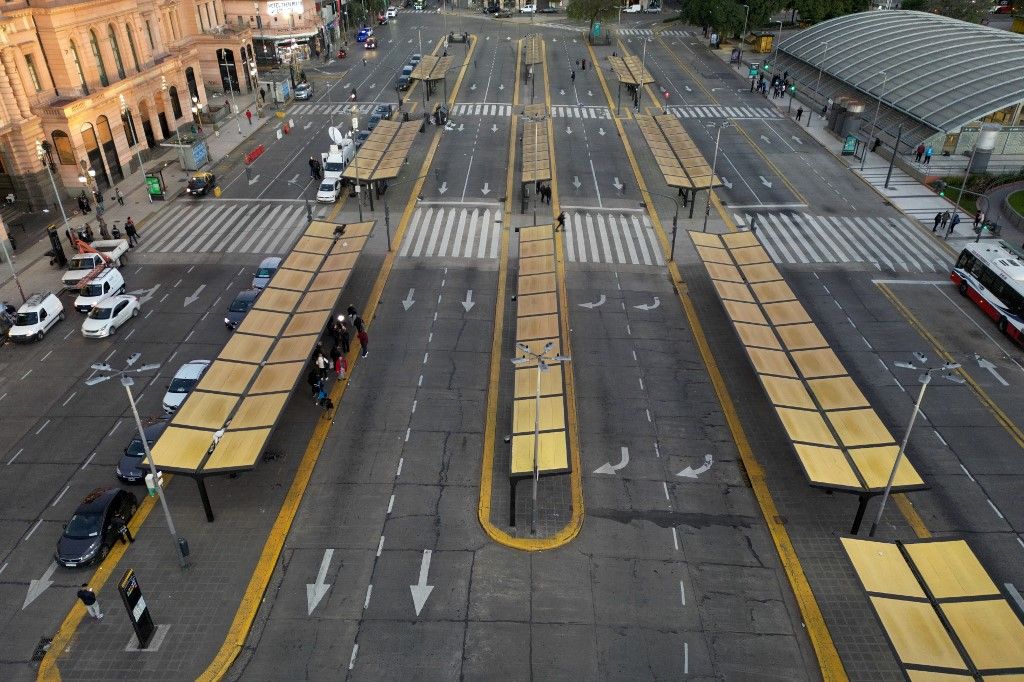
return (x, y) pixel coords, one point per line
(240, 307)
(201, 183)
(133, 468)
(93, 529)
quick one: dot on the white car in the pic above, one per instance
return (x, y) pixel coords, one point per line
(528, 9)
(392, 12)
(329, 190)
(108, 315)
(185, 379)
(632, 9)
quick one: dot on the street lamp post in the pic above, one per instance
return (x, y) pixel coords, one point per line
(643, 70)
(714, 165)
(305, 199)
(925, 379)
(355, 162)
(107, 372)
(131, 124)
(778, 39)
(746, 16)
(231, 88)
(821, 66)
(878, 106)
(675, 219)
(544, 360)
(53, 183)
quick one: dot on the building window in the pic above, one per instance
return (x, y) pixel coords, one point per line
(78, 67)
(31, 66)
(95, 44)
(149, 34)
(131, 46)
(62, 145)
(115, 48)
(175, 104)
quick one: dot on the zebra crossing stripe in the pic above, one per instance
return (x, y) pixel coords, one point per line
(570, 247)
(413, 226)
(261, 218)
(219, 221)
(617, 240)
(448, 224)
(156, 230)
(470, 235)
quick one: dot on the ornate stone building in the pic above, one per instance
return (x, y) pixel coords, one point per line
(95, 84)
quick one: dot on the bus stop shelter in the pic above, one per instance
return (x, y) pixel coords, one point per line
(632, 73)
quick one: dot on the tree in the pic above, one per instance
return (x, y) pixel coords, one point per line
(964, 10)
(725, 17)
(592, 10)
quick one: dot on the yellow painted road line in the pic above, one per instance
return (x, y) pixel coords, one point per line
(1008, 425)
(48, 669)
(462, 71)
(817, 631)
(247, 610)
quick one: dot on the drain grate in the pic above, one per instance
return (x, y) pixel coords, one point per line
(41, 649)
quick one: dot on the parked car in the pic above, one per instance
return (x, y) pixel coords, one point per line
(36, 317)
(548, 10)
(652, 8)
(403, 82)
(528, 9)
(502, 14)
(385, 111)
(95, 526)
(363, 34)
(362, 137)
(240, 307)
(268, 266)
(371, 124)
(329, 190)
(201, 183)
(132, 467)
(633, 9)
(303, 91)
(416, 58)
(109, 315)
(104, 285)
(185, 379)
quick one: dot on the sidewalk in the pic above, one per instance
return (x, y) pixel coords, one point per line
(32, 265)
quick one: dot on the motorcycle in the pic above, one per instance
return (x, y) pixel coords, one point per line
(352, 97)
(342, 54)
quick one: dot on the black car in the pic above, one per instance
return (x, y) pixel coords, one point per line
(95, 526)
(362, 137)
(201, 183)
(548, 10)
(133, 468)
(240, 307)
(384, 111)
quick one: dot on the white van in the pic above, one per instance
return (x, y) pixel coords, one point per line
(632, 9)
(33, 319)
(106, 284)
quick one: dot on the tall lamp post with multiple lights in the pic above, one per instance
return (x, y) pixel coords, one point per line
(105, 373)
(126, 114)
(544, 360)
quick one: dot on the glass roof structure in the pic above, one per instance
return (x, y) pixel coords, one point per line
(941, 71)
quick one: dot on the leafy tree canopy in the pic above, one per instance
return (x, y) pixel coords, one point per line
(592, 10)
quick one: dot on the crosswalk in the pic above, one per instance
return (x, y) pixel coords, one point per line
(570, 111)
(895, 244)
(694, 111)
(335, 108)
(648, 32)
(224, 226)
(482, 109)
(445, 231)
(611, 237)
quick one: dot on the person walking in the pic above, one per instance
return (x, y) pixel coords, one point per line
(979, 219)
(248, 115)
(87, 596)
(938, 216)
(322, 363)
(561, 222)
(364, 343)
(919, 152)
(336, 357)
(954, 221)
(572, 75)
(945, 220)
(343, 337)
(927, 155)
(354, 319)
(133, 234)
(799, 113)
(312, 167)
(119, 196)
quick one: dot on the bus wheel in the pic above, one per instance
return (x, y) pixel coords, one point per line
(1002, 324)
(963, 288)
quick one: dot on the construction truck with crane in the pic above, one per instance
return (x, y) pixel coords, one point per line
(92, 259)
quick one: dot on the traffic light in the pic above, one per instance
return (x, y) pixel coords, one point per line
(792, 89)
(940, 187)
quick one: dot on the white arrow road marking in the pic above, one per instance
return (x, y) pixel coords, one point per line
(688, 88)
(765, 138)
(37, 587)
(461, 127)
(649, 306)
(421, 590)
(295, 178)
(494, 128)
(486, 189)
(617, 185)
(600, 131)
(590, 93)
(796, 139)
(985, 364)
(316, 591)
(726, 182)
(308, 124)
(590, 305)
(408, 302)
(576, 181)
(473, 86)
(254, 179)
(145, 295)
(765, 182)
(561, 92)
(469, 302)
(610, 468)
(189, 300)
(443, 188)
(501, 86)
(690, 472)
(568, 130)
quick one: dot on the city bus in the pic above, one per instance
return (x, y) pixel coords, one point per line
(992, 275)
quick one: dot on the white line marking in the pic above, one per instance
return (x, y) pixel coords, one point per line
(369, 591)
(628, 330)
(1020, 542)
(380, 545)
(414, 406)
(66, 488)
(3, 568)
(189, 271)
(939, 436)
(89, 460)
(172, 356)
(686, 658)
(352, 660)
(203, 318)
(189, 336)
(420, 382)
(48, 353)
(994, 508)
(657, 451)
(665, 485)
(33, 529)
(11, 460)
(178, 283)
(66, 336)
(675, 538)
(164, 297)
(40, 429)
(641, 380)
(146, 317)
(407, 433)
(401, 461)
(1010, 587)
(25, 375)
(682, 592)
(648, 414)
(865, 340)
(634, 352)
(129, 335)
(111, 432)
(70, 398)
(107, 359)
(391, 503)
(3, 396)
(425, 356)
(967, 472)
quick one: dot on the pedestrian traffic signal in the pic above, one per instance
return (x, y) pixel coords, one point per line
(792, 89)
(940, 187)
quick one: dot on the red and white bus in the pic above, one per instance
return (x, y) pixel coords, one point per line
(992, 275)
